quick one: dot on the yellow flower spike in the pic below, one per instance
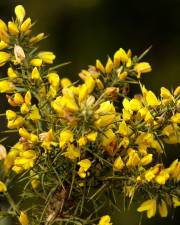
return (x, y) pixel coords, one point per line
(34, 114)
(3, 152)
(149, 206)
(142, 67)
(118, 164)
(65, 82)
(27, 98)
(162, 177)
(177, 91)
(66, 137)
(146, 159)
(17, 123)
(23, 219)
(3, 45)
(10, 115)
(37, 38)
(100, 66)
(163, 211)
(24, 108)
(175, 118)
(3, 187)
(18, 99)
(35, 75)
(151, 99)
(72, 152)
(4, 57)
(19, 54)
(54, 79)
(13, 29)
(109, 66)
(175, 201)
(47, 57)
(20, 13)
(36, 62)
(105, 220)
(26, 25)
(92, 136)
(11, 73)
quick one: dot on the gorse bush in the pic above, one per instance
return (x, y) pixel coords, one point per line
(80, 145)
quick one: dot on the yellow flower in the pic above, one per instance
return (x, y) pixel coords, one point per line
(3, 45)
(135, 104)
(90, 84)
(175, 118)
(150, 174)
(142, 67)
(35, 75)
(123, 75)
(165, 93)
(23, 219)
(133, 158)
(146, 159)
(72, 152)
(82, 141)
(4, 57)
(6, 86)
(17, 123)
(109, 66)
(54, 79)
(100, 66)
(105, 114)
(27, 98)
(177, 91)
(109, 141)
(124, 129)
(65, 82)
(92, 136)
(37, 38)
(34, 114)
(11, 73)
(47, 57)
(176, 201)
(149, 206)
(26, 26)
(3, 26)
(151, 99)
(13, 29)
(3, 152)
(120, 56)
(3, 187)
(20, 12)
(18, 99)
(24, 108)
(162, 177)
(66, 137)
(84, 164)
(36, 62)
(163, 209)
(10, 115)
(105, 220)
(118, 164)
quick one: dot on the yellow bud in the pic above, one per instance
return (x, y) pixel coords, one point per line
(151, 99)
(177, 91)
(20, 12)
(3, 152)
(163, 209)
(36, 62)
(99, 84)
(3, 26)
(83, 93)
(162, 177)
(27, 98)
(13, 29)
(6, 86)
(3, 45)
(34, 114)
(18, 99)
(37, 38)
(123, 75)
(92, 136)
(54, 79)
(47, 57)
(4, 57)
(176, 201)
(175, 118)
(99, 66)
(35, 75)
(23, 219)
(24, 108)
(149, 206)
(146, 159)
(24, 133)
(3, 187)
(165, 93)
(26, 26)
(109, 66)
(118, 164)
(11, 73)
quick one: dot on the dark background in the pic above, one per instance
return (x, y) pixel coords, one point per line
(82, 30)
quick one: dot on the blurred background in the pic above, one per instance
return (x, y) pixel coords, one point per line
(82, 30)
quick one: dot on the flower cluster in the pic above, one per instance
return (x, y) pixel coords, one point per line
(78, 142)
